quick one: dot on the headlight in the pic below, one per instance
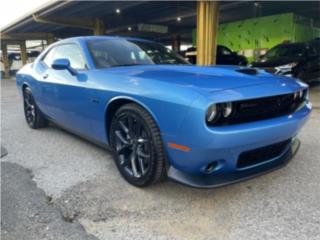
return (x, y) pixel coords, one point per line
(227, 109)
(212, 113)
(217, 112)
(307, 96)
(300, 93)
(285, 69)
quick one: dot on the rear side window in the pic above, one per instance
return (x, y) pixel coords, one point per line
(68, 51)
(224, 51)
(49, 58)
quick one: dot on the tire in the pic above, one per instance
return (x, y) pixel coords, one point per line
(137, 146)
(33, 115)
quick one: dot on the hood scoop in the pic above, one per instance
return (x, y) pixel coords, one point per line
(249, 71)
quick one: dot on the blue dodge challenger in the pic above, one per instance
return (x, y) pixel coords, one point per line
(160, 116)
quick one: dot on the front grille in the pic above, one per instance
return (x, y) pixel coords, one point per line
(262, 108)
(260, 155)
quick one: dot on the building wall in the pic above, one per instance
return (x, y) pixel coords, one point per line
(253, 37)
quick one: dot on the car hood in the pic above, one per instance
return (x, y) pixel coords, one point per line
(211, 78)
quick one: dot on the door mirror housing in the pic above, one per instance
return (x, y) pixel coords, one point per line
(63, 64)
(60, 64)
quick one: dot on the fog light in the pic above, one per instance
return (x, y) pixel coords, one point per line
(227, 110)
(211, 167)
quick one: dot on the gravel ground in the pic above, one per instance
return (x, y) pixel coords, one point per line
(84, 182)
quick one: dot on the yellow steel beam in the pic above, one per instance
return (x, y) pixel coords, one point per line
(25, 36)
(96, 25)
(207, 27)
(5, 60)
(69, 22)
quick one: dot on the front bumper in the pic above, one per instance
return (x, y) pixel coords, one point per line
(218, 180)
(226, 145)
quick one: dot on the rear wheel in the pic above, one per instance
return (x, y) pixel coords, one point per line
(137, 145)
(33, 116)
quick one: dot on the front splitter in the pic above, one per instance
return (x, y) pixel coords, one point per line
(219, 180)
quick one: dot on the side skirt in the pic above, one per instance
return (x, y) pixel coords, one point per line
(81, 135)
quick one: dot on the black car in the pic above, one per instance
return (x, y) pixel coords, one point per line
(299, 60)
(224, 56)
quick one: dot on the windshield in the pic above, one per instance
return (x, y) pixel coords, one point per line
(292, 50)
(122, 52)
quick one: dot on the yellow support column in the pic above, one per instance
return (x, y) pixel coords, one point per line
(5, 60)
(50, 40)
(23, 52)
(98, 27)
(207, 28)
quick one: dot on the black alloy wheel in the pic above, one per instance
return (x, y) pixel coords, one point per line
(33, 116)
(137, 146)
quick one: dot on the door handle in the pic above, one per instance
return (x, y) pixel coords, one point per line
(45, 76)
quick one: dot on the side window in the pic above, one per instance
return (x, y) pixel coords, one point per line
(48, 59)
(73, 54)
(225, 51)
(68, 51)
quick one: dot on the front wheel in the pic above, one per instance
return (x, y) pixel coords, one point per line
(137, 146)
(33, 116)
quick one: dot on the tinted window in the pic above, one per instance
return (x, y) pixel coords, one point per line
(316, 45)
(68, 51)
(121, 52)
(289, 50)
(222, 50)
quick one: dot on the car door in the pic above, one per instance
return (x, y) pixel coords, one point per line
(66, 97)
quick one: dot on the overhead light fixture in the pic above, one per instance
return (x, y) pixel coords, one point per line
(179, 19)
(256, 4)
(118, 11)
(129, 28)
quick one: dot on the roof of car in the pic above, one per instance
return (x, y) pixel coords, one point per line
(300, 44)
(90, 38)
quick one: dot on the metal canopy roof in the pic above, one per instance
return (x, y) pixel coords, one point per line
(149, 12)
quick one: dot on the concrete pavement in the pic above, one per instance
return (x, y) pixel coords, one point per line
(84, 182)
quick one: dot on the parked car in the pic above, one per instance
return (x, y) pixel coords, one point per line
(224, 56)
(299, 60)
(15, 61)
(160, 116)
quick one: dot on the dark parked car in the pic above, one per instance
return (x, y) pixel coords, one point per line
(224, 56)
(300, 60)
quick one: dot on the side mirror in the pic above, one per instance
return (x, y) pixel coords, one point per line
(63, 64)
